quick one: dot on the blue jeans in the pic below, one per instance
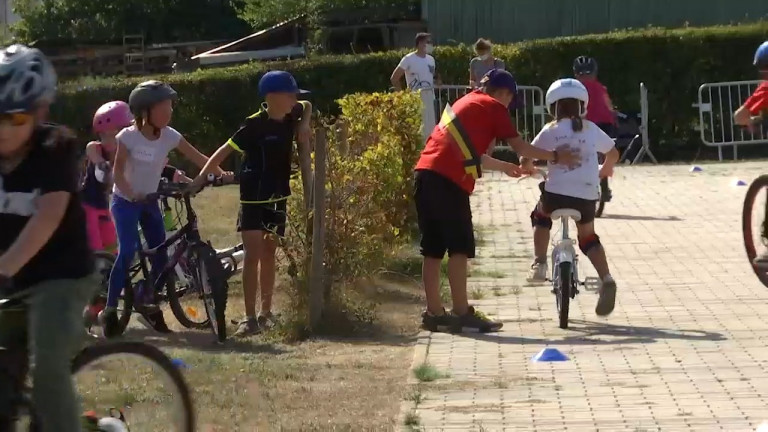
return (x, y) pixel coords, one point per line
(127, 216)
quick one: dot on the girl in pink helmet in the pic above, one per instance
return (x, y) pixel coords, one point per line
(109, 119)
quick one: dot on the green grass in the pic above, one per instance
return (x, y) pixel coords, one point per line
(425, 372)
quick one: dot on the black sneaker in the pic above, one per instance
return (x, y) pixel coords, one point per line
(437, 323)
(155, 320)
(475, 321)
(110, 325)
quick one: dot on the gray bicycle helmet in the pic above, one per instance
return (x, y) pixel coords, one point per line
(584, 65)
(148, 94)
(26, 79)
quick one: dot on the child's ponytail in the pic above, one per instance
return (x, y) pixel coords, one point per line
(577, 124)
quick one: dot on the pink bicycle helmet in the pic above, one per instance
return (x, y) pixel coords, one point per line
(115, 114)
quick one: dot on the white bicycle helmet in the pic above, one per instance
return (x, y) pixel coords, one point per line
(567, 88)
(26, 78)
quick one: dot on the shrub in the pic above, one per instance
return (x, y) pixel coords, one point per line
(369, 179)
(672, 63)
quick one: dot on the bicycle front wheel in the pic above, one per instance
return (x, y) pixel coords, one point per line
(137, 379)
(600, 199)
(563, 291)
(212, 279)
(185, 295)
(753, 222)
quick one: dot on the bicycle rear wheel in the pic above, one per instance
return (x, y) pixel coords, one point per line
(102, 386)
(600, 202)
(562, 282)
(752, 224)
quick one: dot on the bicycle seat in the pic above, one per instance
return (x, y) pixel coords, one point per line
(566, 213)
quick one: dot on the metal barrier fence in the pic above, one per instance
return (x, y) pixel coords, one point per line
(529, 118)
(717, 103)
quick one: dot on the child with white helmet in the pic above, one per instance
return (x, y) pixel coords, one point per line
(109, 119)
(574, 187)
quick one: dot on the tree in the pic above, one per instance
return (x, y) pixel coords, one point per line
(264, 13)
(100, 21)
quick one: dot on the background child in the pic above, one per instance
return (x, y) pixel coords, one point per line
(266, 142)
(109, 119)
(142, 151)
(573, 187)
(43, 242)
(752, 113)
(600, 108)
(454, 157)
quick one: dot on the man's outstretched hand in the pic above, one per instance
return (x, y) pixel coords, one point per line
(513, 170)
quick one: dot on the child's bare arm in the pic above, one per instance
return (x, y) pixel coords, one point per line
(93, 153)
(51, 208)
(197, 158)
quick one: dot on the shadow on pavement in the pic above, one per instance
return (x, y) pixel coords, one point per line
(591, 333)
(641, 218)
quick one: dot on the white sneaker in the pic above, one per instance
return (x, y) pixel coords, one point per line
(537, 272)
(607, 300)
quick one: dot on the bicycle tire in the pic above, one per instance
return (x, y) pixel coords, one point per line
(759, 184)
(124, 316)
(95, 352)
(174, 299)
(563, 292)
(600, 205)
(212, 277)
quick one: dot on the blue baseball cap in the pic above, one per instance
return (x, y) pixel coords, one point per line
(279, 82)
(500, 78)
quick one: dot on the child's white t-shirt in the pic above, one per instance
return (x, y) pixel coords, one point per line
(146, 159)
(583, 180)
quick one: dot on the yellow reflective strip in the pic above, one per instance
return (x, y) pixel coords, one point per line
(447, 120)
(233, 145)
(269, 201)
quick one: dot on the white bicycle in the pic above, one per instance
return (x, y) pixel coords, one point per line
(565, 260)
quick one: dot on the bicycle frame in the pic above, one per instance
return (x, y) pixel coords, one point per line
(182, 239)
(563, 250)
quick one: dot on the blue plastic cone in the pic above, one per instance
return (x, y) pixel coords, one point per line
(737, 182)
(549, 355)
(179, 363)
(696, 168)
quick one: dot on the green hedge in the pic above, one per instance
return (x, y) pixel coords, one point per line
(672, 63)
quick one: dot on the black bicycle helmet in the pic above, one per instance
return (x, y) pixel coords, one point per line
(26, 78)
(148, 94)
(584, 65)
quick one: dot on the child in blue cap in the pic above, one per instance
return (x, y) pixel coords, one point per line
(266, 142)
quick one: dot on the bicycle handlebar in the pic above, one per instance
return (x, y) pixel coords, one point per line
(180, 190)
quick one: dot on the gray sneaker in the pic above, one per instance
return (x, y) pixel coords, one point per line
(607, 299)
(266, 321)
(537, 272)
(247, 327)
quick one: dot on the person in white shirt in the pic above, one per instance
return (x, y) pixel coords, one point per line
(573, 187)
(418, 68)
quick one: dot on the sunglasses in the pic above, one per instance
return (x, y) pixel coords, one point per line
(16, 118)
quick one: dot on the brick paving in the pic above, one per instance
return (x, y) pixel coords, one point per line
(684, 350)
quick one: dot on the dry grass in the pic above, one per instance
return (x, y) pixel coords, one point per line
(257, 384)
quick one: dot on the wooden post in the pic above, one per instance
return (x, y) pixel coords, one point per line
(305, 165)
(317, 272)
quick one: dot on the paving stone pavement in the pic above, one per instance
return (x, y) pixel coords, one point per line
(684, 350)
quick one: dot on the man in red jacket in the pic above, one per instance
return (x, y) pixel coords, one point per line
(453, 159)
